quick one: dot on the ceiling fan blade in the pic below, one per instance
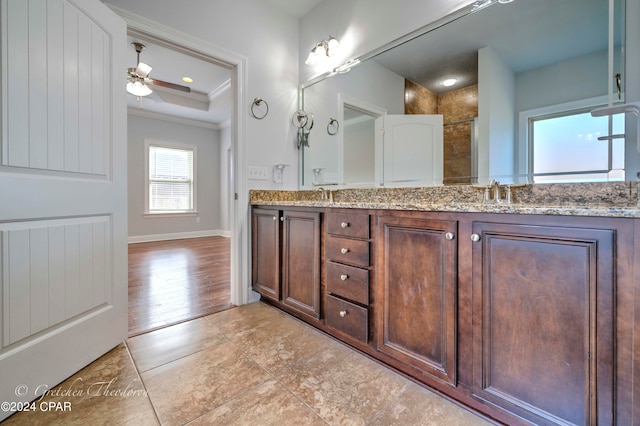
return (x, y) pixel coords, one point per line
(170, 85)
(143, 69)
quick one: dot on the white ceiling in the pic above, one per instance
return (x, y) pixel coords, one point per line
(296, 8)
(208, 79)
(169, 65)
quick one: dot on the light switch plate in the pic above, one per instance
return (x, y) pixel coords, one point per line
(258, 173)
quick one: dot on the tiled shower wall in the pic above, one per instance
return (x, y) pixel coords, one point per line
(458, 107)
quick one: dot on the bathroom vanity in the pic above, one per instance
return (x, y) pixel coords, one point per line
(524, 312)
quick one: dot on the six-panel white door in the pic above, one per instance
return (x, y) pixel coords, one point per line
(63, 225)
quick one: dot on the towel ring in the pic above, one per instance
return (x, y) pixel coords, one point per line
(258, 102)
(299, 119)
(333, 126)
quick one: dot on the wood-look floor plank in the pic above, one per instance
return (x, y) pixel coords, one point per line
(177, 280)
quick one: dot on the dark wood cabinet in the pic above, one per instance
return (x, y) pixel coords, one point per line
(528, 319)
(417, 286)
(543, 314)
(286, 258)
(301, 262)
(265, 252)
(348, 259)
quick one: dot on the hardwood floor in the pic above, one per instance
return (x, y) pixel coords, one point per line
(177, 280)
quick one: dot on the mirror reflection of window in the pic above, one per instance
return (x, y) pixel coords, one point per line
(566, 148)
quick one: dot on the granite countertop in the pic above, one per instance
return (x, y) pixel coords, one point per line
(608, 199)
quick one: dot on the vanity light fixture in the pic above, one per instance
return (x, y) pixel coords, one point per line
(449, 82)
(323, 49)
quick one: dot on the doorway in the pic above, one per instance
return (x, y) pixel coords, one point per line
(227, 154)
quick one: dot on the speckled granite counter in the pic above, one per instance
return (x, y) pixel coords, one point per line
(609, 199)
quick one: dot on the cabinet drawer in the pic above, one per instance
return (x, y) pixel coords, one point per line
(353, 252)
(348, 282)
(348, 225)
(347, 317)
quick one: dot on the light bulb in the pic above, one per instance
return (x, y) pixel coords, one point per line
(138, 89)
(332, 46)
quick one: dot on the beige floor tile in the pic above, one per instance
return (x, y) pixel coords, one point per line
(191, 386)
(246, 319)
(279, 349)
(107, 392)
(168, 344)
(418, 406)
(267, 404)
(343, 387)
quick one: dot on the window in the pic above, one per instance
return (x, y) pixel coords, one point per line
(170, 186)
(564, 145)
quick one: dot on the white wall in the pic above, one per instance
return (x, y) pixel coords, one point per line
(364, 25)
(496, 98)
(208, 181)
(367, 84)
(575, 79)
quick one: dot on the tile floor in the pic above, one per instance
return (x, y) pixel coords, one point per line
(251, 365)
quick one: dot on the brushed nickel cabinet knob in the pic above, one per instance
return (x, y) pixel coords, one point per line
(475, 237)
(344, 250)
(344, 277)
(343, 313)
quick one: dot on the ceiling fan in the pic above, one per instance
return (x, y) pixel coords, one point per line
(138, 80)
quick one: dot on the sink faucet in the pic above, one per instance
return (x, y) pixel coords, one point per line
(324, 192)
(495, 187)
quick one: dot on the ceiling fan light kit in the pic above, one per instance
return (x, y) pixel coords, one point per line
(138, 88)
(139, 82)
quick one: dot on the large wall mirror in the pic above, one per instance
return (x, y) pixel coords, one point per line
(523, 78)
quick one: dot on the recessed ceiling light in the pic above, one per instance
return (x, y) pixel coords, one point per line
(187, 79)
(449, 82)
(504, 1)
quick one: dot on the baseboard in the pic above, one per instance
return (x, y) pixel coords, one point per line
(178, 236)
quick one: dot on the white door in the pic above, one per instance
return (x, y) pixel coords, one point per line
(409, 150)
(63, 226)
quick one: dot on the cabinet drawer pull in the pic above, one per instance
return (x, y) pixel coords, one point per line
(344, 224)
(344, 250)
(282, 219)
(449, 236)
(343, 313)
(475, 237)
(344, 277)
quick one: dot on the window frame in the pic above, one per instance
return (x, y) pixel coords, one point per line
(148, 143)
(526, 118)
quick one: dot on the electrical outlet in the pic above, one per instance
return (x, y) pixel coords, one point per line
(258, 173)
(277, 175)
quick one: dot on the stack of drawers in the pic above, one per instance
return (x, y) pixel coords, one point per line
(347, 273)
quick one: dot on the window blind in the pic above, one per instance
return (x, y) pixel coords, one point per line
(170, 179)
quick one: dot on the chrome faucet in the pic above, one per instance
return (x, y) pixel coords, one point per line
(324, 195)
(327, 194)
(495, 187)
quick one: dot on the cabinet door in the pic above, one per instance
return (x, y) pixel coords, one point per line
(543, 322)
(417, 286)
(301, 262)
(265, 259)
